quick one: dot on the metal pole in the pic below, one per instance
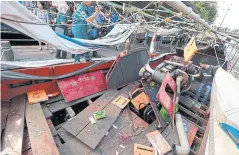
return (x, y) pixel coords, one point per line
(225, 14)
(189, 12)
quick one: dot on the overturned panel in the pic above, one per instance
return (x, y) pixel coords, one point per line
(126, 70)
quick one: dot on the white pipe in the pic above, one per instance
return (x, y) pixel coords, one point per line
(189, 12)
(152, 44)
(145, 68)
(149, 69)
(184, 149)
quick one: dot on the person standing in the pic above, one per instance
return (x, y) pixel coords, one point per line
(42, 14)
(206, 73)
(52, 17)
(61, 28)
(79, 25)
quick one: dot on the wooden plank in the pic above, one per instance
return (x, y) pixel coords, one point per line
(5, 107)
(57, 141)
(158, 142)
(121, 138)
(92, 134)
(60, 105)
(46, 111)
(65, 135)
(74, 147)
(76, 124)
(52, 128)
(13, 133)
(26, 145)
(41, 139)
(140, 139)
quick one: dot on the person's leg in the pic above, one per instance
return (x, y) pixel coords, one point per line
(58, 53)
(77, 57)
(87, 56)
(64, 54)
(199, 91)
(40, 44)
(207, 93)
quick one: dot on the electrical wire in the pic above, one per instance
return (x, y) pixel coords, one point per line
(123, 19)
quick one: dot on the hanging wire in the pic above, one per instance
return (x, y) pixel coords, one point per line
(216, 51)
(123, 19)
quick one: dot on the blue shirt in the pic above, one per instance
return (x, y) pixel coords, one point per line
(79, 24)
(61, 18)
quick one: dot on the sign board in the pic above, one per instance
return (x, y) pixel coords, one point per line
(82, 85)
(164, 98)
(190, 49)
(37, 96)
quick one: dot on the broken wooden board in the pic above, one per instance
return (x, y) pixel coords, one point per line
(41, 139)
(140, 139)
(74, 147)
(79, 86)
(120, 139)
(144, 150)
(158, 142)
(13, 134)
(65, 135)
(77, 123)
(5, 107)
(61, 104)
(92, 134)
(26, 145)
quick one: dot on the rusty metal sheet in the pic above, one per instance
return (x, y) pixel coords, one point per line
(82, 85)
(127, 68)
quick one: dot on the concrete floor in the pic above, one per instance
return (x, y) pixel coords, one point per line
(33, 53)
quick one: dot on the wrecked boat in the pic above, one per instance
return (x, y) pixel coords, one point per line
(138, 102)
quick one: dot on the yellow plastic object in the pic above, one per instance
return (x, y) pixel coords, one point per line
(190, 50)
(121, 101)
(140, 101)
(37, 96)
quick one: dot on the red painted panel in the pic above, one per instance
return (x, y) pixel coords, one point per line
(82, 85)
(164, 98)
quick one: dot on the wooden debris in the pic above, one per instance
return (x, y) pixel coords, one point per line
(158, 142)
(77, 123)
(5, 107)
(13, 134)
(92, 134)
(41, 139)
(144, 150)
